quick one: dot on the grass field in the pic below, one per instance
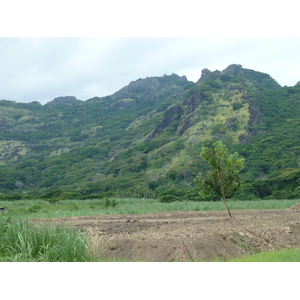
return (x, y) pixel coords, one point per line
(69, 208)
(286, 255)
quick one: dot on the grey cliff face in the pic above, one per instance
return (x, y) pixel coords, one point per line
(233, 70)
(121, 104)
(150, 88)
(207, 74)
(169, 117)
(63, 100)
(187, 118)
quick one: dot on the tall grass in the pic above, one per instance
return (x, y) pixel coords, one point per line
(25, 242)
(70, 208)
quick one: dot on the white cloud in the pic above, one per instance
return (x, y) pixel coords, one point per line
(40, 69)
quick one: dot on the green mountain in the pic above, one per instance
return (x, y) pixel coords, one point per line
(145, 139)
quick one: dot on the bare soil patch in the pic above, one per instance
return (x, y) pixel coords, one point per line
(196, 235)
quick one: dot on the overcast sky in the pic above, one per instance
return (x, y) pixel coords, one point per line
(40, 69)
(42, 56)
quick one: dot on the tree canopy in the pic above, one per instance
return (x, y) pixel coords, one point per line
(223, 178)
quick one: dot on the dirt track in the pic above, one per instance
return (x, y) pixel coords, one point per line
(204, 236)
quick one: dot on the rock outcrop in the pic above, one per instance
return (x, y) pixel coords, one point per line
(171, 115)
(124, 103)
(207, 74)
(187, 120)
(151, 88)
(253, 120)
(63, 100)
(233, 70)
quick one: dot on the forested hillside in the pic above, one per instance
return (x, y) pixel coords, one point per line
(145, 139)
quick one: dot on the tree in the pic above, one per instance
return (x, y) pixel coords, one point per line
(223, 178)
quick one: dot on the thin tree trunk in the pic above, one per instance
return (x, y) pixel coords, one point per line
(223, 194)
(224, 198)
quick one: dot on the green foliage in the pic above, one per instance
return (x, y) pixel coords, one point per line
(54, 194)
(11, 197)
(236, 105)
(217, 128)
(280, 187)
(223, 178)
(167, 198)
(35, 208)
(20, 242)
(53, 201)
(110, 203)
(57, 152)
(225, 77)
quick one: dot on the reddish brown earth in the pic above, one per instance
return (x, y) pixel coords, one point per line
(201, 236)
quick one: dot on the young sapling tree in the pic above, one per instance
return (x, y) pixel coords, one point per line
(223, 178)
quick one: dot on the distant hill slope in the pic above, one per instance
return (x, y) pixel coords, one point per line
(144, 140)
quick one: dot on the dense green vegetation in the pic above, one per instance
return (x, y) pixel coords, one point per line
(24, 242)
(145, 140)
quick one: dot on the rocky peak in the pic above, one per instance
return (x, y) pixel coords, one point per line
(207, 74)
(143, 84)
(257, 78)
(149, 86)
(233, 70)
(63, 100)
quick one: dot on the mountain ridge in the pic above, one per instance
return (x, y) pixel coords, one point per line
(145, 138)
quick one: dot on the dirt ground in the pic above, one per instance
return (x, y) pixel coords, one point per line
(190, 235)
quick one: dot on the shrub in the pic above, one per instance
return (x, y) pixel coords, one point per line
(153, 185)
(70, 195)
(91, 196)
(53, 201)
(11, 197)
(236, 105)
(217, 128)
(168, 198)
(35, 208)
(51, 194)
(109, 202)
